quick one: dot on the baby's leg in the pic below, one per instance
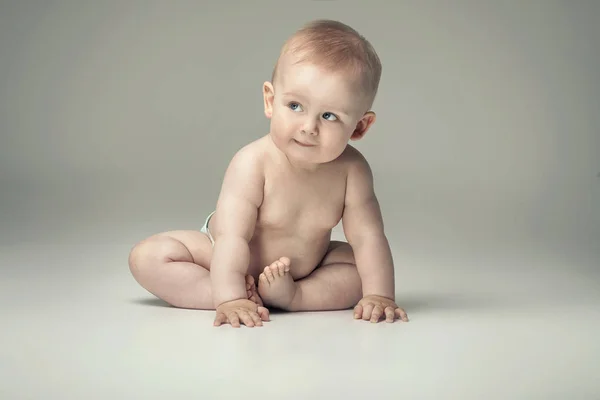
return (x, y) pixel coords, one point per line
(174, 266)
(334, 285)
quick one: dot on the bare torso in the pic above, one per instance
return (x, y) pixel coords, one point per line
(298, 212)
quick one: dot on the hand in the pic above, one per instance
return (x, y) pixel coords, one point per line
(373, 307)
(252, 292)
(246, 311)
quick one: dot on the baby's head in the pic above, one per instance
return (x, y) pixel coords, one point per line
(338, 49)
(322, 89)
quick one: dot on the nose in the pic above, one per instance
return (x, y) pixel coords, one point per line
(310, 126)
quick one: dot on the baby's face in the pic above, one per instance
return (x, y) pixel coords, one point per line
(314, 113)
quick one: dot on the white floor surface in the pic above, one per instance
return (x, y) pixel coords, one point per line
(77, 326)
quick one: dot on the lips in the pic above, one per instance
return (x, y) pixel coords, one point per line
(304, 144)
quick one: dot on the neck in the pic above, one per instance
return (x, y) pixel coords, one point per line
(298, 166)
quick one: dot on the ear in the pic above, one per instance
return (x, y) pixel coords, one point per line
(268, 96)
(363, 125)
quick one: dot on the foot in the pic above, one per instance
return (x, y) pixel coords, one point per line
(252, 292)
(276, 285)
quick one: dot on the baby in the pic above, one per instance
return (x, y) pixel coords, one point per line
(268, 243)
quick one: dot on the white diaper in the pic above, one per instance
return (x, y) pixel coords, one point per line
(205, 229)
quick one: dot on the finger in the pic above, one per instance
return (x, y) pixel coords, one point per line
(264, 313)
(220, 319)
(234, 320)
(367, 310)
(256, 319)
(246, 319)
(249, 281)
(358, 310)
(402, 314)
(377, 312)
(389, 314)
(256, 298)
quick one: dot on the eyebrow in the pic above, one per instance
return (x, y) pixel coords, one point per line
(340, 110)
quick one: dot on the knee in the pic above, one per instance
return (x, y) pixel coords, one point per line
(148, 253)
(339, 253)
(346, 255)
(140, 255)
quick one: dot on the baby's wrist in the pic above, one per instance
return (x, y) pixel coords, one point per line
(218, 302)
(376, 290)
(229, 288)
(379, 294)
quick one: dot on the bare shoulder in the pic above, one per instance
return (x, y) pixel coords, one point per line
(355, 163)
(249, 156)
(359, 181)
(245, 173)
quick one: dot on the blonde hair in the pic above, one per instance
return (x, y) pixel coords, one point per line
(337, 47)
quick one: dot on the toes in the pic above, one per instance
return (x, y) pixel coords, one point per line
(262, 279)
(280, 268)
(286, 262)
(269, 274)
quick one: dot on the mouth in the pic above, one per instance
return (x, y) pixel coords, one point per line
(304, 144)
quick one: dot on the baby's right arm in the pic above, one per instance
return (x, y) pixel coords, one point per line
(237, 209)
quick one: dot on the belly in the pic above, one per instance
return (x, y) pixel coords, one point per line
(305, 254)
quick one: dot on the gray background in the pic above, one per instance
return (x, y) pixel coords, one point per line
(118, 119)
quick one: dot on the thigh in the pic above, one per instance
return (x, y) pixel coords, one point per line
(197, 244)
(338, 253)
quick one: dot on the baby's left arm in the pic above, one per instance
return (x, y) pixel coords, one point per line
(363, 227)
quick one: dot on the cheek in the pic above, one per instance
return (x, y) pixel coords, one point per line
(336, 137)
(283, 124)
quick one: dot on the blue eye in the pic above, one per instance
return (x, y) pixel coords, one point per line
(328, 115)
(295, 107)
